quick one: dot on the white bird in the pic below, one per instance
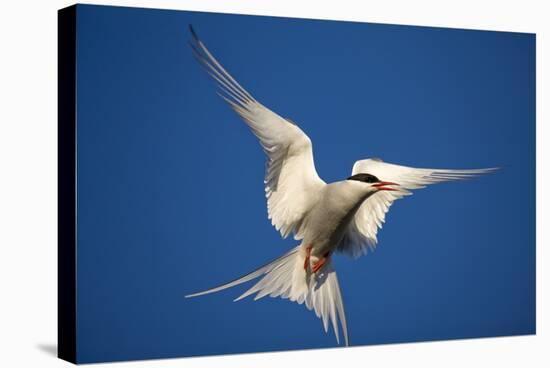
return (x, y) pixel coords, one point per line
(340, 217)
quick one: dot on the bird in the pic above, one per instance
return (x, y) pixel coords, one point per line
(341, 217)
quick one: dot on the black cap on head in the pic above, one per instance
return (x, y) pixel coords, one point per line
(365, 178)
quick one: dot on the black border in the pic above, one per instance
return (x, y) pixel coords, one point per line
(66, 185)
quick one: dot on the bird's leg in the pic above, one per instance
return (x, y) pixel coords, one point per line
(308, 254)
(320, 263)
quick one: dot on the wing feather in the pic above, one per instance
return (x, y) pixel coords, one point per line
(291, 180)
(363, 228)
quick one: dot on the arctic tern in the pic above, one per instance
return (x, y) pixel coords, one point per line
(340, 217)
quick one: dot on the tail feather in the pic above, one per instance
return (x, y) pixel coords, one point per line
(249, 276)
(285, 277)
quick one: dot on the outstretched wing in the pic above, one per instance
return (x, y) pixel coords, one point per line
(362, 230)
(291, 181)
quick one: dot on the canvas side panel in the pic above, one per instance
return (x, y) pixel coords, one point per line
(66, 252)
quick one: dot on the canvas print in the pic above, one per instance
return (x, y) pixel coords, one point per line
(235, 184)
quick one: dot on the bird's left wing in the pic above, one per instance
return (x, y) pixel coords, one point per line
(291, 181)
(362, 230)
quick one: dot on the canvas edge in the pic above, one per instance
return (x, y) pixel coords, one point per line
(66, 187)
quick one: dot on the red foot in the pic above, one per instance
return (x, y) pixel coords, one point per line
(308, 254)
(320, 263)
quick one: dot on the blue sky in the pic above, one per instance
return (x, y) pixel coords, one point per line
(170, 181)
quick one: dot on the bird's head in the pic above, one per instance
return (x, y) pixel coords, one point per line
(373, 182)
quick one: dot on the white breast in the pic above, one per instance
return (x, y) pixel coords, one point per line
(327, 221)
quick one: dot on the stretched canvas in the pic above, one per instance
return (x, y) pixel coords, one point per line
(275, 157)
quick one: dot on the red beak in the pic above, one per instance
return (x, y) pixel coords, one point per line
(382, 185)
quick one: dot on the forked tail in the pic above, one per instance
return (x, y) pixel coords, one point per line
(286, 277)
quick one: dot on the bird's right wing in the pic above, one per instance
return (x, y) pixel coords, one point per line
(291, 181)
